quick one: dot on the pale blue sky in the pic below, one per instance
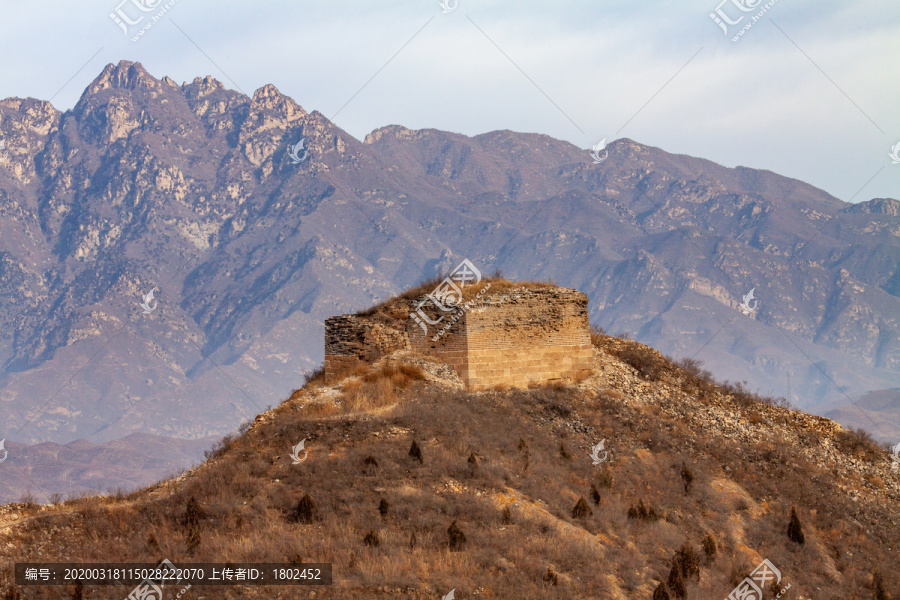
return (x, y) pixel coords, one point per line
(760, 102)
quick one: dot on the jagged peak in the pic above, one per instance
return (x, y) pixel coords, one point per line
(269, 97)
(202, 86)
(124, 75)
(396, 131)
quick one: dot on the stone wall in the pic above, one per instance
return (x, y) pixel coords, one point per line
(512, 337)
(515, 336)
(351, 339)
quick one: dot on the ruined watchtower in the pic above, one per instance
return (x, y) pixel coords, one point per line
(497, 333)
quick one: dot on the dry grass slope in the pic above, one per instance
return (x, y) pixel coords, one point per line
(414, 486)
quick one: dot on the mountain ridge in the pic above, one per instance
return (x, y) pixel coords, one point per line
(189, 188)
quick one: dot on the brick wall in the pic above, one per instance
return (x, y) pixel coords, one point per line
(511, 337)
(450, 348)
(351, 339)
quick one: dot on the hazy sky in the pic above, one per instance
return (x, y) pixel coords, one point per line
(810, 91)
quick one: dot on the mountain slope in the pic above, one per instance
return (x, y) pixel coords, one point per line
(189, 190)
(720, 469)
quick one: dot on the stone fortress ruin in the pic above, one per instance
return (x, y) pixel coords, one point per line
(492, 333)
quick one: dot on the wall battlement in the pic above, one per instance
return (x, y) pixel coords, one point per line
(518, 336)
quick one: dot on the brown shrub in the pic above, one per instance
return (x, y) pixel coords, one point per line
(370, 465)
(415, 452)
(219, 448)
(676, 582)
(688, 562)
(372, 539)
(598, 335)
(78, 591)
(456, 537)
(305, 511)
(695, 369)
(526, 454)
(687, 478)
(316, 375)
(878, 590)
(858, 444)
(648, 362)
(193, 516)
(472, 462)
(660, 592)
(642, 512)
(795, 529)
(595, 495)
(12, 593)
(421, 289)
(581, 509)
(709, 547)
(605, 478)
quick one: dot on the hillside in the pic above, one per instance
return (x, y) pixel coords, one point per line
(694, 469)
(188, 189)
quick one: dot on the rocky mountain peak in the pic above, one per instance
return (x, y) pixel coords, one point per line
(269, 98)
(125, 75)
(35, 116)
(397, 131)
(203, 86)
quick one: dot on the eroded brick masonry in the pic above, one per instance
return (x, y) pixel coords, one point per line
(517, 336)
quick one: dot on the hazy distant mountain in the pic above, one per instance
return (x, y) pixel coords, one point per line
(84, 468)
(190, 189)
(880, 406)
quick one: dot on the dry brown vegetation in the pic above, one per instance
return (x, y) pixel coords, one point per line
(412, 490)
